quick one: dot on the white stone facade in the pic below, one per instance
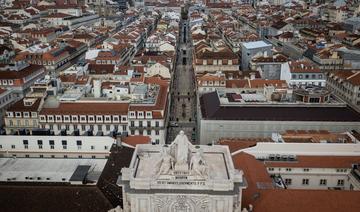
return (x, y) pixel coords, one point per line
(181, 177)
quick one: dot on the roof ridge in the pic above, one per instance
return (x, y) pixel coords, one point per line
(354, 75)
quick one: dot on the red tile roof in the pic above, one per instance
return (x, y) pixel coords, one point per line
(136, 139)
(266, 199)
(7, 74)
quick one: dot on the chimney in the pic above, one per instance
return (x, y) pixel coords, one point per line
(252, 75)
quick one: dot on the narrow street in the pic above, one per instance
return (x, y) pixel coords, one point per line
(182, 113)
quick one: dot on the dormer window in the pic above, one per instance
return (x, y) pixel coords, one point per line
(58, 118)
(29, 102)
(26, 115)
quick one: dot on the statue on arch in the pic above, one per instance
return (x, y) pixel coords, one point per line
(198, 165)
(165, 164)
(181, 149)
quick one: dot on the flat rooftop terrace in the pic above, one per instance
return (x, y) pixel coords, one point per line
(49, 169)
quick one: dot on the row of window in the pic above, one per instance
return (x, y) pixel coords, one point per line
(141, 132)
(53, 156)
(5, 99)
(323, 182)
(52, 145)
(21, 114)
(83, 118)
(218, 62)
(25, 123)
(6, 82)
(287, 169)
(140, 114)
(83, 127)
(148, 124)
(307, 76)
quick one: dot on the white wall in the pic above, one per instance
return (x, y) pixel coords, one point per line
(264, 149)
(91, 146)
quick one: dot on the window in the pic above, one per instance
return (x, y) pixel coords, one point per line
(157, 132)
(124, 128)
(271, 169)
(149, 123)
(64, 143)
(41, 156)
(294, 76)
(27, 156)
(106, 147)
(25, 142)
(107, 127)
(132, 123)
(65, 156)
(40, 142)
(83, 127)
(140, 123)
(80, 156)
(305, 181)
(52, 156)
(51, 143)
(132, 132)
(288, 169)
(157, 124)
(157, 141)
(93, 156)
(288, 181)
(148, 132)
(306, 170)
(92, 147)
(322, 181)
(99, 127)
(12, 146)
(300, 76)
(78, 142)
(116, 119)
(340, 182)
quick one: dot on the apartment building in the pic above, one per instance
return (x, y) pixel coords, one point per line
(20, 76)
(212, 61)
(254, 49)
(22, 116)
(90, 118)
(298, 73)
(346, 85)
(6, 99)
(316, 172)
